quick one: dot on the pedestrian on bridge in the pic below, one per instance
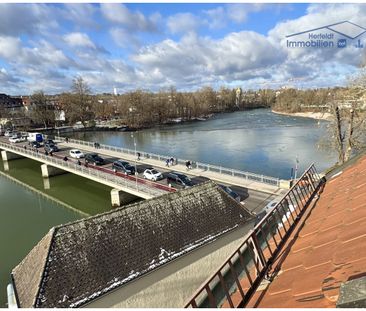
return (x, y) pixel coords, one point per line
(188, 165)
(138, 156)
(67, 139)
(167, 162)
(171, 161)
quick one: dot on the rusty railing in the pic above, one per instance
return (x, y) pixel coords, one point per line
(245, 269)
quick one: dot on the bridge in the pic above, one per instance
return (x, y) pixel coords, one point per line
(127, 188)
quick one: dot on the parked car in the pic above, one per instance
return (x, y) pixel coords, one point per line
(76, 153)
(94, 158)
(51, 148)
(35, 144)
(123, 166)
(17, 139)
(8, 133)
(178, 180)
(231, 193)
(152, 174)
(49, 141)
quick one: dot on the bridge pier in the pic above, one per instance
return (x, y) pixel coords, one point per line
(6, 166)
(7, 155)
(49, 171)
(119, 197)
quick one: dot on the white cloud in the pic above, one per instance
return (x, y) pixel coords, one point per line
(237, 56)
(238, 12)
(182, 23)
(9, 47)
(120, 14)
(216, 18)
(124, 38)
(23, 18)
(78, 39)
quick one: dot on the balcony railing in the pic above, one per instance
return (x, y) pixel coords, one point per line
(245, 269)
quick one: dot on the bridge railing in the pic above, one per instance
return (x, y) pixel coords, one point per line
(245, 269)
(102, 174)
(199, 165)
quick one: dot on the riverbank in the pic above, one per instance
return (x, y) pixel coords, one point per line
(312, 115)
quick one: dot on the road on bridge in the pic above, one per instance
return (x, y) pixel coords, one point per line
(254, 200)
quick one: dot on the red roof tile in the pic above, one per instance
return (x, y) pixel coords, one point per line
(329, 249)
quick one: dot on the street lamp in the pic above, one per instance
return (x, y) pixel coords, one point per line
(134, 143)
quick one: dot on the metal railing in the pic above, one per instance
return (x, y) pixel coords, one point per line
(199, 165)
(102, 174)
(245, 269)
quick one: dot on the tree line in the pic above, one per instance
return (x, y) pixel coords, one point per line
(142, 108)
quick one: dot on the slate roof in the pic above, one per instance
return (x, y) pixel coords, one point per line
(80, 261)
(329, 248)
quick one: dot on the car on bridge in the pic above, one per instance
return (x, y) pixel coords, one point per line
(178, 180)
(51, 147)
(123, 166)
(231, 192)
(8, 133)
(152, 174)
(35, 144)
(94, 159)
(76, 153)
(17, 139)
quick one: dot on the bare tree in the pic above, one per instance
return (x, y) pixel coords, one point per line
(347, 125)
(79, 103)
(42, 112)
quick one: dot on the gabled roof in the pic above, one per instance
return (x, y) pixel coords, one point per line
(328, 249)
(78, 262)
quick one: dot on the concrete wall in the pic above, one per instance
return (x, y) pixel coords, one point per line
(173, 284)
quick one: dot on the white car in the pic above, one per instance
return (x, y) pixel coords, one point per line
(75, 153)
(152, 174)
(17, 139)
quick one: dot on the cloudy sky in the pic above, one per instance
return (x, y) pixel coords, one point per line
(153, 46)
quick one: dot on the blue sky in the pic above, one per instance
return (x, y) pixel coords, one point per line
(154, 46)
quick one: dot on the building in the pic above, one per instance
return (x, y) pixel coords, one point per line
(11, 111)
(152, 253)
(327, 251)
(10, 103)
(314, 257)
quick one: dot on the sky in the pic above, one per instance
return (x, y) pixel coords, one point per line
(154, 46)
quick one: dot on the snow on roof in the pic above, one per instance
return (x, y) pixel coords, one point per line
(78, 262)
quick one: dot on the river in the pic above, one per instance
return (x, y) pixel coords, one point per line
(256, 141)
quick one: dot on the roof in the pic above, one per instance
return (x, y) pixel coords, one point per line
(80, 261)
(327, 250)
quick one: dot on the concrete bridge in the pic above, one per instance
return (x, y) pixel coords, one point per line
(124, 188)
(127, 188)
(219, 174)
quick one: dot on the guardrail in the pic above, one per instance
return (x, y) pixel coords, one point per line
(248, 265)
(203, 166)
(129, 182)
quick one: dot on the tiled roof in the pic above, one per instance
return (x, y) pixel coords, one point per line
(80, 261)
(327, 250)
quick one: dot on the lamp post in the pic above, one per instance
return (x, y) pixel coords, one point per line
(296, 167)
(134, 143)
